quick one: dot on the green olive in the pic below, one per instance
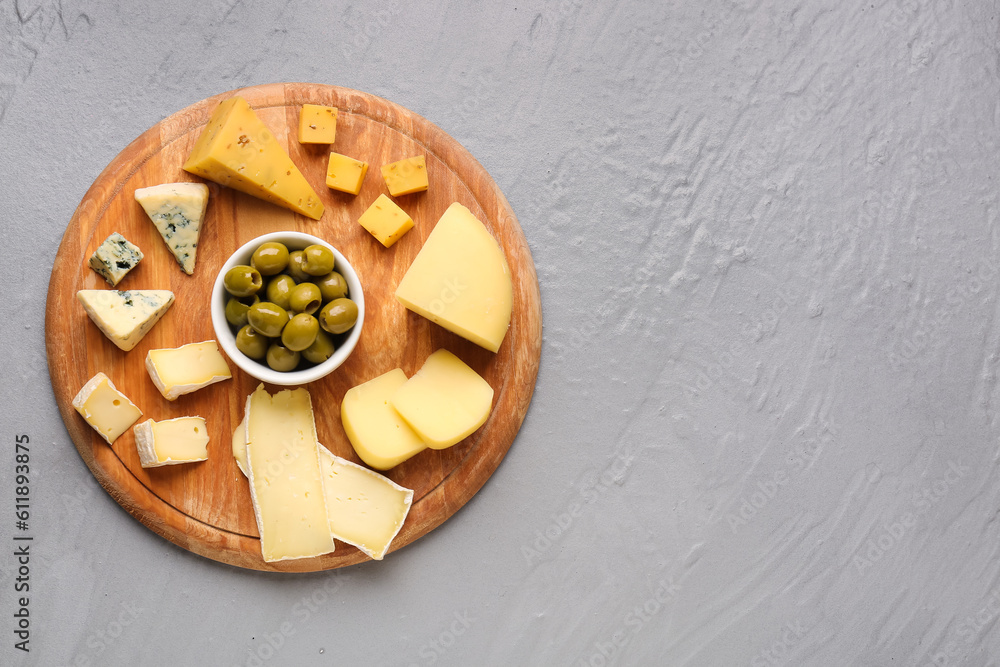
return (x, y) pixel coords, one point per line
(321, 349)
(251, 343)
(279, 289)
(267, 318)
(318, 260)
(236, 311)
(331, 286)
(242, 280)
(296, 264)
(280, 358)
(270, 258)
(305, 298)
(338, 316)
(300, 332)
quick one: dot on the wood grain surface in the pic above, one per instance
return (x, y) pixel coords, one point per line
(205, 507)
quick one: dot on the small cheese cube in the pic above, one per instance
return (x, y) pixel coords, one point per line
(173, 441)
(114, 258)
(406, 176)
(445, 401)
(379, 435)
(317, 124)
(106, 409)
(181, 370)
(345, 173)
(386, 221)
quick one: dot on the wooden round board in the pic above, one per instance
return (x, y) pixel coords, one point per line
(205, 507)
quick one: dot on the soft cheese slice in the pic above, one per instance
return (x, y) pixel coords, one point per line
(173, 441)
(181, 370)
(366, 509)
(240, 446)
(406, 176)
(445, 401)
(125, 317)
(114, 258)
(177, 210)
(286, 481)
(460, 280)
(107, 410)
(379, 435)
(237, 150)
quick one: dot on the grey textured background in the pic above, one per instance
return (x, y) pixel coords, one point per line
(764, 429)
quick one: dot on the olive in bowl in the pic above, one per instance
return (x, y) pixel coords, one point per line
(269, 334)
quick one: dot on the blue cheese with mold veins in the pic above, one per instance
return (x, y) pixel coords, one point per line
(125, 317)
(177, 210)
(114, 258)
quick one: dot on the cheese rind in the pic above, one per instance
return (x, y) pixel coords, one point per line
(444, 401)
(345, 173)
(240, 446)
(381, 438)
(317, 124)
(460, 280)
(125, 317)
(188, 368)
(237, 150)
(177, 210)
(114, 258)
(286, 481)
(366, 509)
(107, 410)
(172, 441)
(406, 176)
(386, 221)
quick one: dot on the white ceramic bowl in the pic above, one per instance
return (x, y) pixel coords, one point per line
(259, 369)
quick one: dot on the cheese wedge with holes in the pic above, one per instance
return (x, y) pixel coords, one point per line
(172, 441)
(460, 280)
(188, 368)
(366, 509)
(381, 438)
(237, 150)
(286, 480)
(177, 211)
(444, 401)
(125, 317)
(107, 410)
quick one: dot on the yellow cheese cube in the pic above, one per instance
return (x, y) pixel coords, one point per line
(445, 401)
(345, 173)
(406, 176)
(386, 221)
(237, 150)
(317, 124)
(172, 441)
(379, 435)
(460, 280)
(106, 409)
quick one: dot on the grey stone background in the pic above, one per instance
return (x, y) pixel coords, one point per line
(764, 429)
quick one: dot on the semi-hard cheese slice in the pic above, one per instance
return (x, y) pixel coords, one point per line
(445, 401)
(177, 211)
(286, 481)
(379, 435)
(114, 258)
(173, 441)
(237, 150)
(106, 409)
(460, 280)
(386, 221)
(181, 370)
(406, 176)
(125, 317)
(366, 509)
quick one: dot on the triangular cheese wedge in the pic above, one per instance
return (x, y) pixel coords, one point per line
(237, 150)
(125, 317)
(177, 210)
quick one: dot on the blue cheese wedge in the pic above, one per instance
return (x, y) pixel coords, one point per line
(107, 410)
(177, 210)
(172, 441)
(114, 258)
(125, 317)
(181, 370)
